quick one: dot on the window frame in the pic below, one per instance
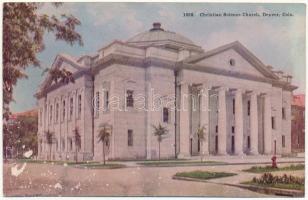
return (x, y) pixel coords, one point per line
(79, 106)
(283, 141)
(50, 113)
(273, 123)
(106, 100)
(130, 138)
(71, 111)
(129, 98)
(97, 103)
(248, 107)
(166, 120)
(283, 113)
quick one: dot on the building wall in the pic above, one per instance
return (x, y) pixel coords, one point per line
(298, 129)
(63, 127)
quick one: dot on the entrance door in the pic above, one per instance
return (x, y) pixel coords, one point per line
(232, 144)
(216, 143)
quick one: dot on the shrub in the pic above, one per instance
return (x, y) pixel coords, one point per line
(268, 178)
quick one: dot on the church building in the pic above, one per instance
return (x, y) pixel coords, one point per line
(162, 78)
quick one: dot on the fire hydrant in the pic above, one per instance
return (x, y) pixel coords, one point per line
(274, 163)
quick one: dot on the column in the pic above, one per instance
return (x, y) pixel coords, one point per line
(238, 122)
(184, 121)
(222, 120)
(204, 118)
(267, 124)
(254, 124)
(148, 119)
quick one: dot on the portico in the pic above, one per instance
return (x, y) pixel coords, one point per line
(230, 116)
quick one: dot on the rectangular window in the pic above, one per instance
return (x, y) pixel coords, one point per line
(71, 107)
(248, 108)
(166, 115)
(97, 104)
(232, 129)
(216, 129)
(63, 111)
(233, 106)
(283, 140)
(283, 112)
(248, 142)
(130, 98)
(79, 106)
(273, 123)
(106, 100)
(57, 112)
(50, 114)
(130, 137)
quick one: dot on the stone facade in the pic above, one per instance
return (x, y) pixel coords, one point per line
(160, 77)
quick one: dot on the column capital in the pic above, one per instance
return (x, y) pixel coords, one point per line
(253, 92)
(221, 88)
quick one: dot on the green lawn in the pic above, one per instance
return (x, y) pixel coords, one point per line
(176, 162)
(204, 175)
(56, 162)
(258, 169)
(279, 185)
(101, 166)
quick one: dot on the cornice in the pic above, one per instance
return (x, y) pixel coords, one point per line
(176, 66)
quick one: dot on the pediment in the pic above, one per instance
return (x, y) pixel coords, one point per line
(233, 57)
(61, 61)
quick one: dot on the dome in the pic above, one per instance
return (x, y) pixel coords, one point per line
(157, 36)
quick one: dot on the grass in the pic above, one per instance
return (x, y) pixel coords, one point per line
(57, 162)
(81, 164)
(101, 166)
(204, 175)
(278, 185)
(175, 162)
(258, 169)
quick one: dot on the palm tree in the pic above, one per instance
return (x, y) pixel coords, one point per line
(49, 140)
(159, 132)
(103, 136)
(201, 136)
(77, 142)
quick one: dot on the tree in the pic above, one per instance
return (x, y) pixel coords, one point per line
(20, 131)
(77, 142)
(103, 137)
(49, 141)
(201, 136)
(23, 31)
(160, 132)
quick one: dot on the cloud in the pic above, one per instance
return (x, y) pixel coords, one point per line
(120, 14)
(49, 9)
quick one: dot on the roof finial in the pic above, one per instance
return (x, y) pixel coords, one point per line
(157, 27)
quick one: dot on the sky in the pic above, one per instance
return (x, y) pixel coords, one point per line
(276, 41)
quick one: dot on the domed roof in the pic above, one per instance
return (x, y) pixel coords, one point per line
(159, 37)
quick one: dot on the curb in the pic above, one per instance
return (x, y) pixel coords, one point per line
(211, 164)
(260, 189)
